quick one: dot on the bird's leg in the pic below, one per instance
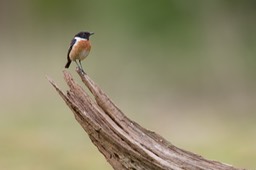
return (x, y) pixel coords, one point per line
(81, 65)
(77, 64)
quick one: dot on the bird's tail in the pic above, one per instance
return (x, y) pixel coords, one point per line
(68, 64)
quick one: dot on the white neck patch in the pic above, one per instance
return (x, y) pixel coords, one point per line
(79, 39)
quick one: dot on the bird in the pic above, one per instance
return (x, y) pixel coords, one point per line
(79, 49)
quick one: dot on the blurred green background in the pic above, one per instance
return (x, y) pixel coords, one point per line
(184, 69)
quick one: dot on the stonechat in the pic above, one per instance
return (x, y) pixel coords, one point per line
(79, 48)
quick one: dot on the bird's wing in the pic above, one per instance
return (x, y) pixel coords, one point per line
(70, 47)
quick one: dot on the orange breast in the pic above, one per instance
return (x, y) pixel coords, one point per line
(80, 50)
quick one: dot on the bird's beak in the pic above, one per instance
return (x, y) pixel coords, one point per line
(91, 33)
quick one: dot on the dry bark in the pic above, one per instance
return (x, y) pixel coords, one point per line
(123, 142)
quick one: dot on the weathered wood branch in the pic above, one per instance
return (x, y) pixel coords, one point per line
(123, 142)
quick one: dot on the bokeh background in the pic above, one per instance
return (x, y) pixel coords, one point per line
(184, 69)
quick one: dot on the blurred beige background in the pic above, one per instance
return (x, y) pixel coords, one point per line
(184, 69)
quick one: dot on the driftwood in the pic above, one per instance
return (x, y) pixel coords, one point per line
(123, 142)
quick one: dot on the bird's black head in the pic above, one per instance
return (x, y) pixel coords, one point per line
(84, 35)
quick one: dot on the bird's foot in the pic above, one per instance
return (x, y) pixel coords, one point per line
(81, 70)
